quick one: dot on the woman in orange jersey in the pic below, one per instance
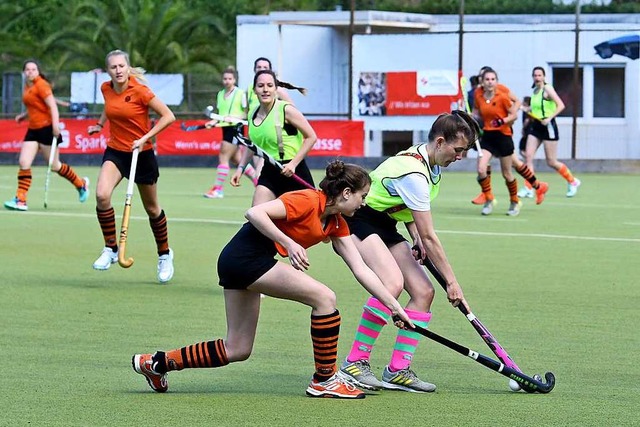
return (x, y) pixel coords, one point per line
(44, 125)
(518, 165)
(126, 105)
(247, 267)
(498, 112)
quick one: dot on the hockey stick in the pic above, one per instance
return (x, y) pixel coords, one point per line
(527, 383)
(191, 128)
(487, 337)
(261, 153)
(52, 156)
(122, 260)
(221, 118)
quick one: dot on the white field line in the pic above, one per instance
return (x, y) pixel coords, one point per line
(226, 222)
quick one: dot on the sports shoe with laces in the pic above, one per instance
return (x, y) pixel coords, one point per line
(337, 387)
(83, 192)
(480, 199)
(359, 374)
(165, 267)
(541, 191)
(572, 189)
(488, 207)
(143, 364)
(214, 193)
(525, 192)
(16, 205)
(106, 258)
(514, 208)
(405, 380)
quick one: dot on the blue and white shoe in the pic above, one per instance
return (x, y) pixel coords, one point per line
(106, 258)
(83, 192)
(16, 205)
(573, 187)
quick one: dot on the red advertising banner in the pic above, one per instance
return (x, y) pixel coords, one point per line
(335, 138)
(408, 93)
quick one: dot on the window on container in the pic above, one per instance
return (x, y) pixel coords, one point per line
(394, 141)
(608, 91)
(563, 84)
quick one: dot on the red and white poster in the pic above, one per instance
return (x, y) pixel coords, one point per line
(408, 93)
(335, 138)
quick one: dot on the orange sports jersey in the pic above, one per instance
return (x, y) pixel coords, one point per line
(496, 108)
(128, 114)
(303, 219)
(33, 98)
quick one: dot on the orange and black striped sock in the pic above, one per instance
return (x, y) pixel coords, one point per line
(107, 220)
(24, 183)
(160, 233)
(67, 172)
(485, 185)
(208, 354)
(325, 330)
(566, 173)
(513, 190)
(528, 174)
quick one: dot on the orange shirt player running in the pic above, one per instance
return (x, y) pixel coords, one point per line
(127, 113)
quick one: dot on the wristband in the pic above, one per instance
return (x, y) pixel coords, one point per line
(98, 124)
(497, 122)
(241, 167)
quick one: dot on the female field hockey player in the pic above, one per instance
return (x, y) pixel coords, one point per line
(281, 131)
(127, 104)
(246, 268)
(44, 125)
(402, 190)
(519, 166)
(498, 112)
(230, 102)
(546, 105)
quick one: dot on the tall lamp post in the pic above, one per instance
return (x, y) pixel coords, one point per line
(576, 88)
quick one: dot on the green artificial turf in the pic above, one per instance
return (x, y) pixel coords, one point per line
(557, 286)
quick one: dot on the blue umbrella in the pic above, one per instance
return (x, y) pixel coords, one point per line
(625, 46)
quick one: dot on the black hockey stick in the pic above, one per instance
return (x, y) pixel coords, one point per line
(527, 383)
(488, 338)
(191, 128)
(261, 153)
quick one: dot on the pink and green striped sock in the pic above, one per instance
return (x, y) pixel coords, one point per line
(221, 177)
(374, 316)
(407, 341)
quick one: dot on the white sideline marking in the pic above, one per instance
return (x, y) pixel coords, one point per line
(226, 222)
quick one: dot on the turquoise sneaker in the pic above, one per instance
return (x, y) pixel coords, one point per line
(573, 187)
(16, 205)
(83, 192)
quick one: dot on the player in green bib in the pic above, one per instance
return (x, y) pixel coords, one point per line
(402, 190)
(546, 105)
(278, 128)
(230, 102)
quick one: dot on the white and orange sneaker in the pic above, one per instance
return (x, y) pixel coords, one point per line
(143, 364)
(336, 386)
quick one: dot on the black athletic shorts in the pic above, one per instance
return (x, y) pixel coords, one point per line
(229, 133)
(279, 184)
(544, 133)
(497, 143)
(246, 258)
(147, 172)
(367, 221)
(43, 135)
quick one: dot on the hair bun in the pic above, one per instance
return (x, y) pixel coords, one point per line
(335, 169)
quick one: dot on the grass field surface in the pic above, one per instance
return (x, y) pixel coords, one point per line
(557, 286)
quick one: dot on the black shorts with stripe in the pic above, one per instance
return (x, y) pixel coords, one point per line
(367, 221)
(42, 135)
(497, 143)
(246, 258)
(229, 133)
(147, 171)
(544, 133)
(279, 184)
